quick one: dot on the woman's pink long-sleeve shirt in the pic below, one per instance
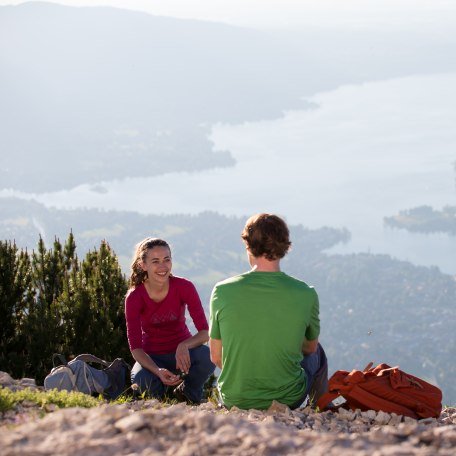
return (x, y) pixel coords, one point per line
(159, 328)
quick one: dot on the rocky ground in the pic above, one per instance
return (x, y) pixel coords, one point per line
(151, 427)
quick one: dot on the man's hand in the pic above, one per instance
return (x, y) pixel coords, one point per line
(168, 378)
(309, 346)
(183, 358)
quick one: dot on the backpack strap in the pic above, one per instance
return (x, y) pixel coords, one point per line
(340, 382)
(325, 399)
(87, 358)
(88, 373)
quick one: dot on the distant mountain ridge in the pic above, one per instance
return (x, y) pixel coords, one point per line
(93, 94)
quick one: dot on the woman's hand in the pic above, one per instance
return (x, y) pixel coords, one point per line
(183, 358)
(168, 378)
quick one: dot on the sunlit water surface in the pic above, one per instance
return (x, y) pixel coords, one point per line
(364, 152)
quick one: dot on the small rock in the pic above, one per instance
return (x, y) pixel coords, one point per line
(28, 404)
(409, 420)
(382, 418)
(358, 428)
(133, 422)
(427, 421)
(50, 407)
(207, 406)
(6, 379)
(308, 410)
(255, 415)
(335, 426)
(406, 429)
(27, 382)
(278, 407)
(395, 419)
(347, 415)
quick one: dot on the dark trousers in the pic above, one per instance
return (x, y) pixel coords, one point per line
(316, 368)
(200, 370)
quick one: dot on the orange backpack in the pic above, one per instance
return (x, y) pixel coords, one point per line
(384, 388)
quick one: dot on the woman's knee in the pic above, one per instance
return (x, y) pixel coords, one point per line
(200, 358)
(146, 381)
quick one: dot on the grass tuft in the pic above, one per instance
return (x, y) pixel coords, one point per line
(62, 399)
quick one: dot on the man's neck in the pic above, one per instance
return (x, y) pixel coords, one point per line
(262, 264)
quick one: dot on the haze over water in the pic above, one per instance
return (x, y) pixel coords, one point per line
(361, 153)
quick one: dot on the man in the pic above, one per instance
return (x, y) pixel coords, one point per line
(265, 326)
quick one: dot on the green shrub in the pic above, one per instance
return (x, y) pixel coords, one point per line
(50, 302)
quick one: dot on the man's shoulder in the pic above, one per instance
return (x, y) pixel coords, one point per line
(231, 281)
(292, 284)
(297, 282)
(288, 279)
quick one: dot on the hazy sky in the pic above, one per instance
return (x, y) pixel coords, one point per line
(435, 16)
(370, 149)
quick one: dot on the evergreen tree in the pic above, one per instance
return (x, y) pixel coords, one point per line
(51, 303)
(93, 300)
(15, 298)
(45, 323)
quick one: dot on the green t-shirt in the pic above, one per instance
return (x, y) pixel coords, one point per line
(262, 319)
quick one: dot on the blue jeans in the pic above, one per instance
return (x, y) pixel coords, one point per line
(316, 367)
(200, 370)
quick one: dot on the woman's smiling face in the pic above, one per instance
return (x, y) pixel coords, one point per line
(158, 265)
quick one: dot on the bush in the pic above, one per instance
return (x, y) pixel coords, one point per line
(52, 303)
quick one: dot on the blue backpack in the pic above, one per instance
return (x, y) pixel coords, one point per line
(77, 375)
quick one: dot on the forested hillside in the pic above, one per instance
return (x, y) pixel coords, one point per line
(373, 307)
(425, 219)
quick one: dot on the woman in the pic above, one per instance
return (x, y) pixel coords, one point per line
(160, 342)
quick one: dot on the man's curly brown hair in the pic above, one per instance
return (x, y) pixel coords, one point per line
(266, 235)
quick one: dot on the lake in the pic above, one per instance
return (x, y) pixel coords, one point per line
(361, 153)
